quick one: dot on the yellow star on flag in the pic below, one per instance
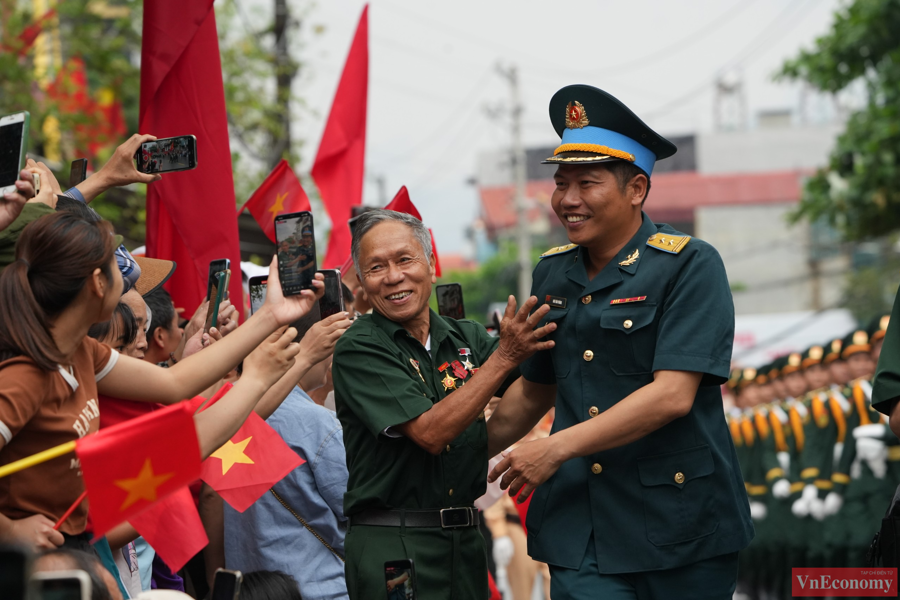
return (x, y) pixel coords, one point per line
(279, 204)
(232, 453)
(142, 487)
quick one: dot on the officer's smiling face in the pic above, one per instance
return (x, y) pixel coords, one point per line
(591, 205)
(396, 275)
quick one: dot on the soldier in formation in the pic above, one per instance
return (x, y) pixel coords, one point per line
(819, 463)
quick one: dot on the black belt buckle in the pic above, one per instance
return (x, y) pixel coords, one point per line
(453, 518)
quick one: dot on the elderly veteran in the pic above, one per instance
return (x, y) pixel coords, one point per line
(639, 489)
(410, 391)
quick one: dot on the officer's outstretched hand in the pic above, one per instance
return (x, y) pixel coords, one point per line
(518, 337)
(527, 467)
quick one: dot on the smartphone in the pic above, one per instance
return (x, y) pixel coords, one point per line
(220, 288)
(13, 144)
(78, 171)
(215, 266)
(167, 155)
(400, 579)
(450, 301)
(257, 292)
(61, 585)
(296, 246)
(332, 301)
(14, 568)
(226, 585)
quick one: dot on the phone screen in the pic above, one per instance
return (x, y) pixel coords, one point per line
(78, 171)
(226, 585)
(450, 301)
(257, 293)
(167, 155)
(332, 301)
(400, 579)
(215, 266)
(296, 251)
(10, 152)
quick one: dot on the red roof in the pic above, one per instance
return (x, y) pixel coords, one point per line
(457, 262)
(673, 196)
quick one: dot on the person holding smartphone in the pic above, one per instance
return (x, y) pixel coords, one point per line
(410, 391)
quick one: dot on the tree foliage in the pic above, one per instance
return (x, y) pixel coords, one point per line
(858, 192)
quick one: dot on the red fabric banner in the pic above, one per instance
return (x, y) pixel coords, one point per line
(130, 466)
(340, 161)
(280, 193)
(190, 215)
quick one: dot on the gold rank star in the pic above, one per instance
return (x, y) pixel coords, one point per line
(449, 382)
(232, 453)
(142, 487)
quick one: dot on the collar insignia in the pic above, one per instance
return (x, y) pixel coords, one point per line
(632, 258)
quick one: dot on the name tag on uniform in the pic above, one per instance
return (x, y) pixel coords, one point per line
(627, 300)
(556, 301)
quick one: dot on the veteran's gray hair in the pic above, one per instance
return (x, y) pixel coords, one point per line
(369, 219)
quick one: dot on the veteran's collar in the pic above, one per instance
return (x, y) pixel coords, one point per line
(437, 327)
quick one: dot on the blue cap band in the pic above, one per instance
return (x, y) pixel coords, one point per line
(643, 157)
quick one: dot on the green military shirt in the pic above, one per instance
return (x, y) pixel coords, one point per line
(675, 496)
(886, 385)
(32, 211)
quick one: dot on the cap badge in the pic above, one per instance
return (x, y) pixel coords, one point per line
(575, 116)
(794, 360)
(816, 352)
(860, 338)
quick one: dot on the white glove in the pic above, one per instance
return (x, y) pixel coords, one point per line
(784, 461)
(833, 503)
(801, 505)
(875, 430)
(503, 551)
(758, 511)
(817, 509)
(781, 489)
(874, 453)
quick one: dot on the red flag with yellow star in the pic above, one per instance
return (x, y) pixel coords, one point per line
(252, 461)
(128, 467)
(280, 193)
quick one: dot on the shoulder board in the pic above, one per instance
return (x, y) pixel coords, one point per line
(673, 244)
(559, 250)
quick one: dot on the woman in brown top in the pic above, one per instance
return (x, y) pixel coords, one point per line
(64, 280)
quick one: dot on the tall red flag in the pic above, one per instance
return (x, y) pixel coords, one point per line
(281, 192)
(339, 165)
(130, 466)
(190, 215)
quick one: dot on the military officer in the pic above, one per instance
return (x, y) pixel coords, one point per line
(410, 391)
(639, 492)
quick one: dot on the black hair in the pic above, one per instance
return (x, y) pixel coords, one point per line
(162, 308)
(347, 294)
(90, 564)
(624, 172)
(129, 332)
(76, 207)
(269, 585)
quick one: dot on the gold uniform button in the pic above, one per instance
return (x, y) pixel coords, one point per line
(448, 447)
(586, 299)
(450, 493)
(596, 469)
(679, 477)
(588, 355)
(627, 324)
(593, 411)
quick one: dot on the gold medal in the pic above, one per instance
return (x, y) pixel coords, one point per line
(449, 382)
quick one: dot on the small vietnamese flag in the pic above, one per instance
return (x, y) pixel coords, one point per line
(252, 461)
(128, 467)
(280, 193)
(173, 528)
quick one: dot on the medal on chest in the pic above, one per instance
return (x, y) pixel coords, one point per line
(464, 354)
(449, 381)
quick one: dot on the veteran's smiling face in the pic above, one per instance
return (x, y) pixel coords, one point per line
(396, 274)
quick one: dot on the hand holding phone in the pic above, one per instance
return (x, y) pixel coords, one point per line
(332, 301)
(296, 251)
(13, 146)
(167, 155)
(219, 289)
(78, 171)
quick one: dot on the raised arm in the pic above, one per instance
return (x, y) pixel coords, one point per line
(446, 420)
(118, 171)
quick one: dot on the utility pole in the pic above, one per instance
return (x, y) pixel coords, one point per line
(285, 71)
(523, 237)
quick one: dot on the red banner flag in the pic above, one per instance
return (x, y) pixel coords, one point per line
(339, 166)
(130, 466)
(252, 461)
(280, 193)
(173, 528)
(190, 215)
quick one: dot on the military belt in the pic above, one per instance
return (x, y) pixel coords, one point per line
(445, 518)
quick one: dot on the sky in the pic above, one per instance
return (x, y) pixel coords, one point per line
(437, 100)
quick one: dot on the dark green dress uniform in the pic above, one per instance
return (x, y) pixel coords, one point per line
(675, 497)
(383, 377)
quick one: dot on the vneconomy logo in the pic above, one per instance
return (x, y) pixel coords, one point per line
(877, 582)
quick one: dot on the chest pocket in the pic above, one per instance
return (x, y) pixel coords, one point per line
(561, 358)
(629, 338)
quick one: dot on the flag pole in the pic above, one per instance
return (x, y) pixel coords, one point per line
(36, 459)
(71, 509)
